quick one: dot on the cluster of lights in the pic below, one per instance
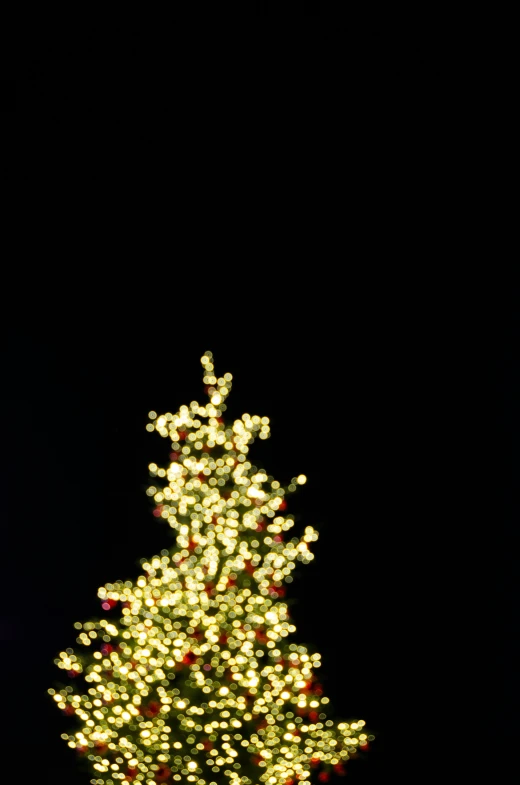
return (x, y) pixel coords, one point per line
(195, 682)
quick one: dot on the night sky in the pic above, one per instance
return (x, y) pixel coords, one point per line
(357, 400)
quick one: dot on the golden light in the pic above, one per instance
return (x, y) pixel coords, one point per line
(193, 678)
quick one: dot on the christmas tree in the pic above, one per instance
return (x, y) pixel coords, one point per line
(191, 677)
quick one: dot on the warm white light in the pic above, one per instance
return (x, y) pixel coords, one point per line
(193, 677)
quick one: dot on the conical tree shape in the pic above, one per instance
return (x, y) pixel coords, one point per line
(196, 682)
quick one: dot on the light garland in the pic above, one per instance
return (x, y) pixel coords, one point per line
(195, 682)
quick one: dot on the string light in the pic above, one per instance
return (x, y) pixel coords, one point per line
(196, 681)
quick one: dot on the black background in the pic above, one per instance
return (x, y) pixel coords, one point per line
(311, 208)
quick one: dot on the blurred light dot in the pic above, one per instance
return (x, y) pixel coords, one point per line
(210, 613)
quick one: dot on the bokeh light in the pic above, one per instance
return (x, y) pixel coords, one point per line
(196, 680)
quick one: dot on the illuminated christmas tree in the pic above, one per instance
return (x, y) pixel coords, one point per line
(192, 678)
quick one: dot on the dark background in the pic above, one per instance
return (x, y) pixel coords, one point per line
(309, 206)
